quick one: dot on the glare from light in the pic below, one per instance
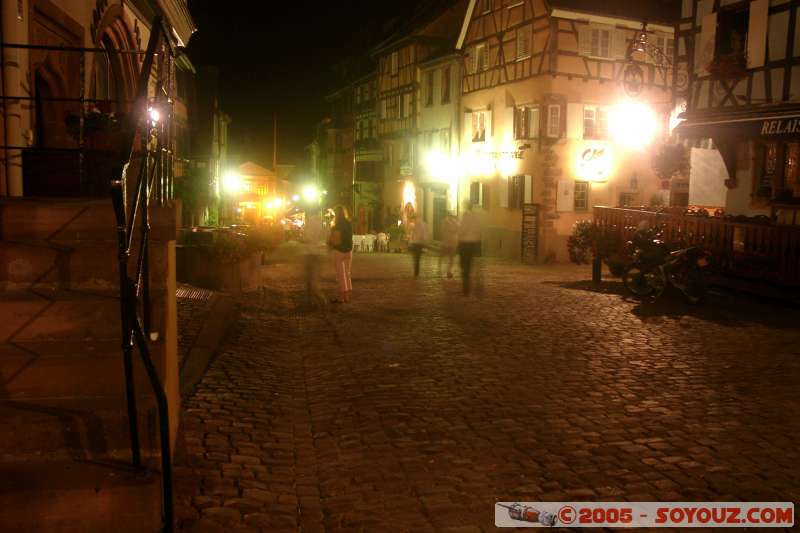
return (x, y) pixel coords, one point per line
(409, 194)
(310, 193)
(633, 124)
(155, 115)
(277, 203)
(233, 183)
(295, 197)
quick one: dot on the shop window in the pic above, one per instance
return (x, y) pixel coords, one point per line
(777, 171)
(581, 196)
(526, 124)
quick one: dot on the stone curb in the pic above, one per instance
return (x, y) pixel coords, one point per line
(220, 317)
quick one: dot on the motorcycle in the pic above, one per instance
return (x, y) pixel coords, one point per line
(655, 267)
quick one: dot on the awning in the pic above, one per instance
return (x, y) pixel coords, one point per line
(761, 125)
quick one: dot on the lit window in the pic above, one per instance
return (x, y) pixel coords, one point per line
(527, 122)
(479, 126)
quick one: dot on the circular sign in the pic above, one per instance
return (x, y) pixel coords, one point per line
(633, 79)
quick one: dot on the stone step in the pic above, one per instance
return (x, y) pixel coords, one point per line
(57, 218)
(74, 219)
(28, 316)
(89, 429)
(78, 496)
(79, 369)
(79, 264)
(85, 265)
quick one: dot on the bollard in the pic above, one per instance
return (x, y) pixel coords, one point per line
(597, 270)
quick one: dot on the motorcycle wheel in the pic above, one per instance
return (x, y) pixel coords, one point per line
(696, 287)
(637, 281)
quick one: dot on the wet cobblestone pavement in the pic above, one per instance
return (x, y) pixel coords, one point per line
(415, 409)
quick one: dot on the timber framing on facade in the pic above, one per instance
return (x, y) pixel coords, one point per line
(507, 41)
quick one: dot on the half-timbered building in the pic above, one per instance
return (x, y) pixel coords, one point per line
(368, 158)
(427, 32)
(738, 76)
(547, 119)
(437, 139)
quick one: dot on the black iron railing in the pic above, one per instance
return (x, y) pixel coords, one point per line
(141, 148)
(153, 165)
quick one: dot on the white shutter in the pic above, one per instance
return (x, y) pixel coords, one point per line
(533, 122)
(488, 124)
(528, 198)
(485, 59)
(566, 196)
(585, 40)
(523, 42)
(502, 192)
(574, 121)
(757, 33)
(705, 46)
(508, 122)
(466, 127)
(620, 43)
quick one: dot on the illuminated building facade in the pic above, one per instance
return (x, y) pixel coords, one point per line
(547, 120)
(425, 34)
(738, 62)
(439, 98)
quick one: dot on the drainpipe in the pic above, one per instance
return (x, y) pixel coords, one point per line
(15, 77)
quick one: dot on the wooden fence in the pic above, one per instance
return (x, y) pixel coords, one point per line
(758, 251)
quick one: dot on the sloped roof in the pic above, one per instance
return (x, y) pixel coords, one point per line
(663, 11)
(252, 169)
(417, 21)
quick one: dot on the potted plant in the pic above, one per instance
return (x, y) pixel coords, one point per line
(101, 131)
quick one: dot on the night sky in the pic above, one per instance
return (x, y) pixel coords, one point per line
(284, 57)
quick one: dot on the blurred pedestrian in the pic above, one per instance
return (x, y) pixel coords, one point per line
(416, 240)
(449, 243)
(314, 239)
(469, 243)
(341, 240)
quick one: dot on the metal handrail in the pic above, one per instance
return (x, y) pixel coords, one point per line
(134, 327)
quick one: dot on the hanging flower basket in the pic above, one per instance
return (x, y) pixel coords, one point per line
(728, 67)
(101, 131)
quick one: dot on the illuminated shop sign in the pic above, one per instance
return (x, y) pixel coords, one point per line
(594, 162)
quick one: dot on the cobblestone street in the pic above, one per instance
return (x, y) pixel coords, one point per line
(415, 409)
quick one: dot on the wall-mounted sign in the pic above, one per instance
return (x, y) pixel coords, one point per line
(780, 126)
(593, 162)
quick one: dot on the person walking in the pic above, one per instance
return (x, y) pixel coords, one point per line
(314, 239)
(469, 243)
(341, 240)
(449, 243)
(416, 240)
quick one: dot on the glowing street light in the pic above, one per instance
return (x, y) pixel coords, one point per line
(154, 114)
(310, 193)
(295, 197)
(233, 183)
(633, 124)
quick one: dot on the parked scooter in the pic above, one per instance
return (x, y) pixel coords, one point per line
(655, 267)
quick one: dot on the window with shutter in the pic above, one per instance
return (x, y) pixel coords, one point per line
(554, 121)
(479, 126)
(394, 63)
(485, 58)
(524, 42)
(601, 43)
